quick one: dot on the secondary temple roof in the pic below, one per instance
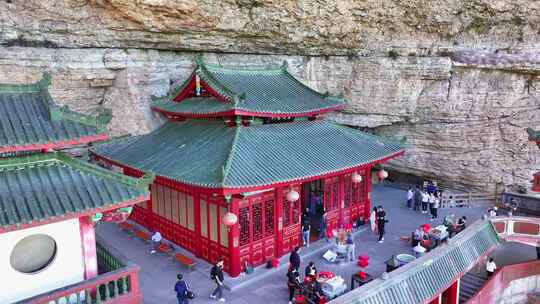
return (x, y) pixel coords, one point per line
(425, 277)
(48, 186)
(271, 92)
(212, 155)
(30, 120)
(534, 135)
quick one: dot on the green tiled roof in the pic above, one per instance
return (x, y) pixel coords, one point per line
(534, 135)
(210, 154)
(193, 105)
(423, 278)
(41, 186)
(29, 116)
(268, 91)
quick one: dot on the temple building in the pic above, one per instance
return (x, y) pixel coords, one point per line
(535, 136)
(242, 153)
(49, 201)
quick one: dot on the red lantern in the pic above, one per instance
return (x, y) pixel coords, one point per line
(229, 219)
(382, 174)
(356, 178)
(293, 196)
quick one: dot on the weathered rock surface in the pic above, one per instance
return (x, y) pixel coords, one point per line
(459, 79)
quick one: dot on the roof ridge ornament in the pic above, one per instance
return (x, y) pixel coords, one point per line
(199, 60)
(45, 80)
(285, 65)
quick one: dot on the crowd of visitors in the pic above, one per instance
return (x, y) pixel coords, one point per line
(426, 199)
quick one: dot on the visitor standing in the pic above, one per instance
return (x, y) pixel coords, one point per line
(156, 241)
(350, 247)
(425, 201)
(417, 198)
(490, 267)
(294, 259)
(410, 196)
(431, 202)
(322, 225)
(306, 227)
(538, 250)
(381, 222)
(216, 273)
(373, 220)
(293, 282)
(435, 208)
(181, 288)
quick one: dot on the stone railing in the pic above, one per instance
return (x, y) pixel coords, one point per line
(494, 288)
(117, 282)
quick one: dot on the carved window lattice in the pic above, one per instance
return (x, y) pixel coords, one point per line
(244, 226)
(335, 197)
(296, 212)
(258, 232)
(286, 213)
(347, 193)
(358, 192)
(327, 198)
(269, 217)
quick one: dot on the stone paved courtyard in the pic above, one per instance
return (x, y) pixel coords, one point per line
(158, 272)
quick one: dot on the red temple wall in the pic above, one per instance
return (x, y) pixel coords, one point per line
(268, 225)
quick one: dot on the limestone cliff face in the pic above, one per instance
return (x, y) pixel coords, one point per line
(459, 79)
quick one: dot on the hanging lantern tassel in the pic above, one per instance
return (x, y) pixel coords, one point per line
(229, 219)
(293, 196)
(356, 178)
(197, 85)
(382, 174)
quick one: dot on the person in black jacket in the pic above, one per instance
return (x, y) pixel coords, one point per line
(294, 259)
(293, 282)
(216, 273)
(381, 222)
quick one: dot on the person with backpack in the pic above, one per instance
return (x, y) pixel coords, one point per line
(181, 288)
(216, 274)
(293, 282)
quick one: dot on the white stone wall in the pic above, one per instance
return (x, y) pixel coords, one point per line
(67, 267)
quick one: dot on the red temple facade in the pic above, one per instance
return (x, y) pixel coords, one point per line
(248, 144)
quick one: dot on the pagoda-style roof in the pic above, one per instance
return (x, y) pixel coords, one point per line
(211, 155)
(534, 135)
(269, 92)
(49, 187)
(30, 120)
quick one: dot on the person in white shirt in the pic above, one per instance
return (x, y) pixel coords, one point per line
(490, 267)
(425, 201)
(435, 208)
(431, 202)
(156, 240)
(410, 195)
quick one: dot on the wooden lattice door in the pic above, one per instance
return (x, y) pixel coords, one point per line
(290, 221)
(332, 203)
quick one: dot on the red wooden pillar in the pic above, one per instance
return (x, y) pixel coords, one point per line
(278, 218)
(88, 244)
(453, 293)
(341, 200)
(197, 221)
(150, 218)
(437, 300)
(234, 241)
(367, 191)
